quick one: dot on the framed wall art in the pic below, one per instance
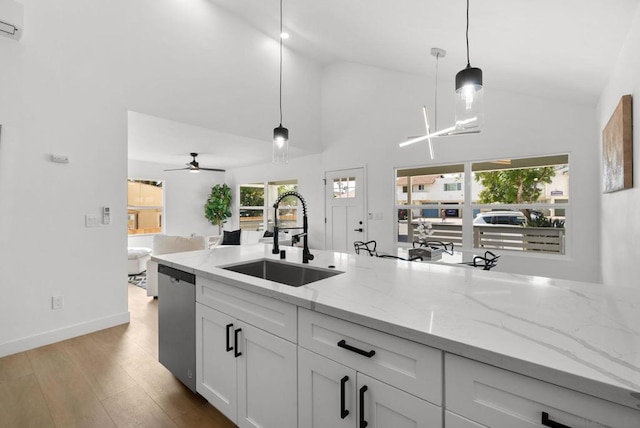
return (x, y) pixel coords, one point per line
(617, 148)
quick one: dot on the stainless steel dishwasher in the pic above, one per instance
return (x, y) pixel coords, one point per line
(177, 323)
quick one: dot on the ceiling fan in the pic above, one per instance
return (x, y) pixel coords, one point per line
(193, 166)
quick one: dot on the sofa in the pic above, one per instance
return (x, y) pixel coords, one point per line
(137, 259)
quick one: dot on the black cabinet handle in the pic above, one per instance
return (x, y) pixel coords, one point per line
(235, 340)
(363, 423)
(343, 344)
(549, 423)
(229, 347)
(343, 412)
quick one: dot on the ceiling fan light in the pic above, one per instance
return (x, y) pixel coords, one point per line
(469, 101)
(280, 145)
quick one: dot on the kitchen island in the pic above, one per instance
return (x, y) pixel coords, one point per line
(581, 337)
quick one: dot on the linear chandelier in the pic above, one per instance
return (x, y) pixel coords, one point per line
(468, 102)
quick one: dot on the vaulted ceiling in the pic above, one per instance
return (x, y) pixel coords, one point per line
(562, 49)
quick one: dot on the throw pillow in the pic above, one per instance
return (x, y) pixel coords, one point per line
(231, 238)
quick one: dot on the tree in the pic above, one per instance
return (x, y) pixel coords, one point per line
(514, 186)
(217, 208)
(251, 196)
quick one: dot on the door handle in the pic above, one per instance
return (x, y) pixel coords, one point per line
(235, 341)
(229, 347)
(363, 423)
(358, 230)
(343, 411)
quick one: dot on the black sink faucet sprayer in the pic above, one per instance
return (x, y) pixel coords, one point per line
(306, 254)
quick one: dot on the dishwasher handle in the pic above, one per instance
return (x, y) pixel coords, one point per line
(177, 275)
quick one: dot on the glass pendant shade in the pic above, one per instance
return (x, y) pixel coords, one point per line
(469, 101)
(280, 144)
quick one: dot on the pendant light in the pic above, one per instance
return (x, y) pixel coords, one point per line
(280, 133)
(469, 93)
(457, 129)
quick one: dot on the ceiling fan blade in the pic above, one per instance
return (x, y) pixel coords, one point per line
(176, 169)
(212, 169)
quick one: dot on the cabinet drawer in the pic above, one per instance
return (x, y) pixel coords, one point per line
(269, 314)
(499, 398)
(407, 365)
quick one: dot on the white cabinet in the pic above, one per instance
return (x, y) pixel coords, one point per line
(353, 376)
(247, 373)
(336, 396)
(407, 365)
(494, 397)
(326, 392)
(383, 406)
(216, 378)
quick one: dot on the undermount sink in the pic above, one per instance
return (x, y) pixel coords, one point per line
(282, 272)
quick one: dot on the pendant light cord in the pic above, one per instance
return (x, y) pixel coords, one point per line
(436, 94)
(281, 62)
(468, 62)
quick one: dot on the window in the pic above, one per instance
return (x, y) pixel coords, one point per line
(516, 204)
(344, 187)
(431, 203)
(252, 206)
(256, 205)
(451, 187)
(144, 207)
(530, 194)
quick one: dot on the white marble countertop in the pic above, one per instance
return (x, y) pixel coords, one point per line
(582, 336)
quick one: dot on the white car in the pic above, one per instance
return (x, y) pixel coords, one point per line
(500, 218)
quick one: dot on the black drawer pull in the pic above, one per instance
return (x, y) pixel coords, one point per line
(343, 412)
(229, 347)
(549, 423)
(363, 423)
(235, 341)
(343, 344)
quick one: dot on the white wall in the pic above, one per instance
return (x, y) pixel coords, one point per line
(66, 88)
(184, 197)
(620, 230)
(367, 111)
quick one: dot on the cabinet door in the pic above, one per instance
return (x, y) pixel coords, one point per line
(267, 380)
(383, 406)
(451, 420)
(326, 392)
(216, 364)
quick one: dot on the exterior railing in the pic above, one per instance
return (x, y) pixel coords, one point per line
(539, 239)
(548, 240)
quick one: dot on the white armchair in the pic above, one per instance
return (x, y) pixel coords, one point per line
(165, 244)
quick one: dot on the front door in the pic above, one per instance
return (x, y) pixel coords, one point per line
(345, 207)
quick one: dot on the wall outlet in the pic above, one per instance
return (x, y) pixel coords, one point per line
(57, 302)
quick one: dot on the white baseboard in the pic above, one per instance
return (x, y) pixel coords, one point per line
(65, 333)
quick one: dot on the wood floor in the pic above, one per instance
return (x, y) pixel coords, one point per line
(111, 378)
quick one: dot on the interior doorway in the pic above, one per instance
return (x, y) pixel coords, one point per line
(345, 196)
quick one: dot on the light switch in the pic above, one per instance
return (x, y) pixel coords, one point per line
(91, 220)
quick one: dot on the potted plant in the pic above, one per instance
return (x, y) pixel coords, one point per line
(217, 208)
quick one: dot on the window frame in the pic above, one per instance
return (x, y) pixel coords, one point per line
(469, 208)
(269, 200)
